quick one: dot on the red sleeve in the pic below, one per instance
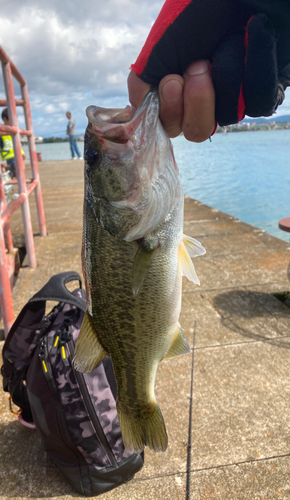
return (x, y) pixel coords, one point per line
(168, 14)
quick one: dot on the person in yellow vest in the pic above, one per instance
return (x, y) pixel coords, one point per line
(6, 147)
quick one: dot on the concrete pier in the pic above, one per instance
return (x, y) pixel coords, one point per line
(241, 390)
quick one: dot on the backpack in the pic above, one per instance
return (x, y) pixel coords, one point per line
(75, 413)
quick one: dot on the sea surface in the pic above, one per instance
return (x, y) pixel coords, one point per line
(245, 174)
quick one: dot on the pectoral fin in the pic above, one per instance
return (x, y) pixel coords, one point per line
(89, 352)
(186, 264)
(193, 246)
(188, 248)
(141, 263)
(179, 345)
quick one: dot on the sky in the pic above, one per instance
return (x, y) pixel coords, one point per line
(74, 54)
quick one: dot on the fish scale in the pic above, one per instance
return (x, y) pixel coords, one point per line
(134, 255)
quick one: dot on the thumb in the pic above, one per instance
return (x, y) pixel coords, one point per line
(137, 89)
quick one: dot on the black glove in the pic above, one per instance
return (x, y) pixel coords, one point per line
(246, 41)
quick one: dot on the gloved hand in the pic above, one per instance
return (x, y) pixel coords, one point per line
(246, 41)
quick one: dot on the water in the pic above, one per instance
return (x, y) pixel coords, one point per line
(245, 174)
(54, 151)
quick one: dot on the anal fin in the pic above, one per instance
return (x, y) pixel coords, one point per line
(179, 345)
(89, 352)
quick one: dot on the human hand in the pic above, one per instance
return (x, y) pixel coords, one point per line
(247, 43)
(187, 104)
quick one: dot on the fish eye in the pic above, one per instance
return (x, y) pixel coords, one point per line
(91, 156)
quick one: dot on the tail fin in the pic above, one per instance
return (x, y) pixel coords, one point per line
(138, 433)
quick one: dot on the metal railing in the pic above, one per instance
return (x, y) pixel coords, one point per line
(25, 186)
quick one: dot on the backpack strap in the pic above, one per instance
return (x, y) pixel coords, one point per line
(33, 312)
(55, 289)
(28, 328)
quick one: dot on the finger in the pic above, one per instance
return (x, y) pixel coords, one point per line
(261, 72)
(137, 89)
(199, 102)
(227, 76)
(171, 104)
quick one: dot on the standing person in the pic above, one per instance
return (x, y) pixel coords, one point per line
(71, 132)
(6, 147)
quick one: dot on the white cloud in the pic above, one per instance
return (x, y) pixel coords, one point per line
(73, 54)
(116, 78)
(49, 109)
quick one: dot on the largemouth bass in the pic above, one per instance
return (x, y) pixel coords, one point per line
(134, 255)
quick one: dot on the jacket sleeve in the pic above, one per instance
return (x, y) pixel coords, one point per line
(246, 41)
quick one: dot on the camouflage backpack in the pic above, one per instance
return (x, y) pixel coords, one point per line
(75, 413)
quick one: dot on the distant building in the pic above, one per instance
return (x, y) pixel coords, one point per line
(259, 125)
(37, 139)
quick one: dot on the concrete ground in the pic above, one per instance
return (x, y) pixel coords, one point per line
(241, 394)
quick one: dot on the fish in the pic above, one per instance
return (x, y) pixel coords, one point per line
(134, 254)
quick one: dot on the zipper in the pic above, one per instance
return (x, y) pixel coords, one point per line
(43, 355)
(47, 370)
(64, 328)
(91, 410)
(65, 337)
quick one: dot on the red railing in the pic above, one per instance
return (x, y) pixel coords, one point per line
(25, 186)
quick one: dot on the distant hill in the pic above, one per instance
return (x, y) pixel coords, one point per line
(274, 118)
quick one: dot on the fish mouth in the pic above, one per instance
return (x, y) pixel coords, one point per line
(119, 125)
(111, 124)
